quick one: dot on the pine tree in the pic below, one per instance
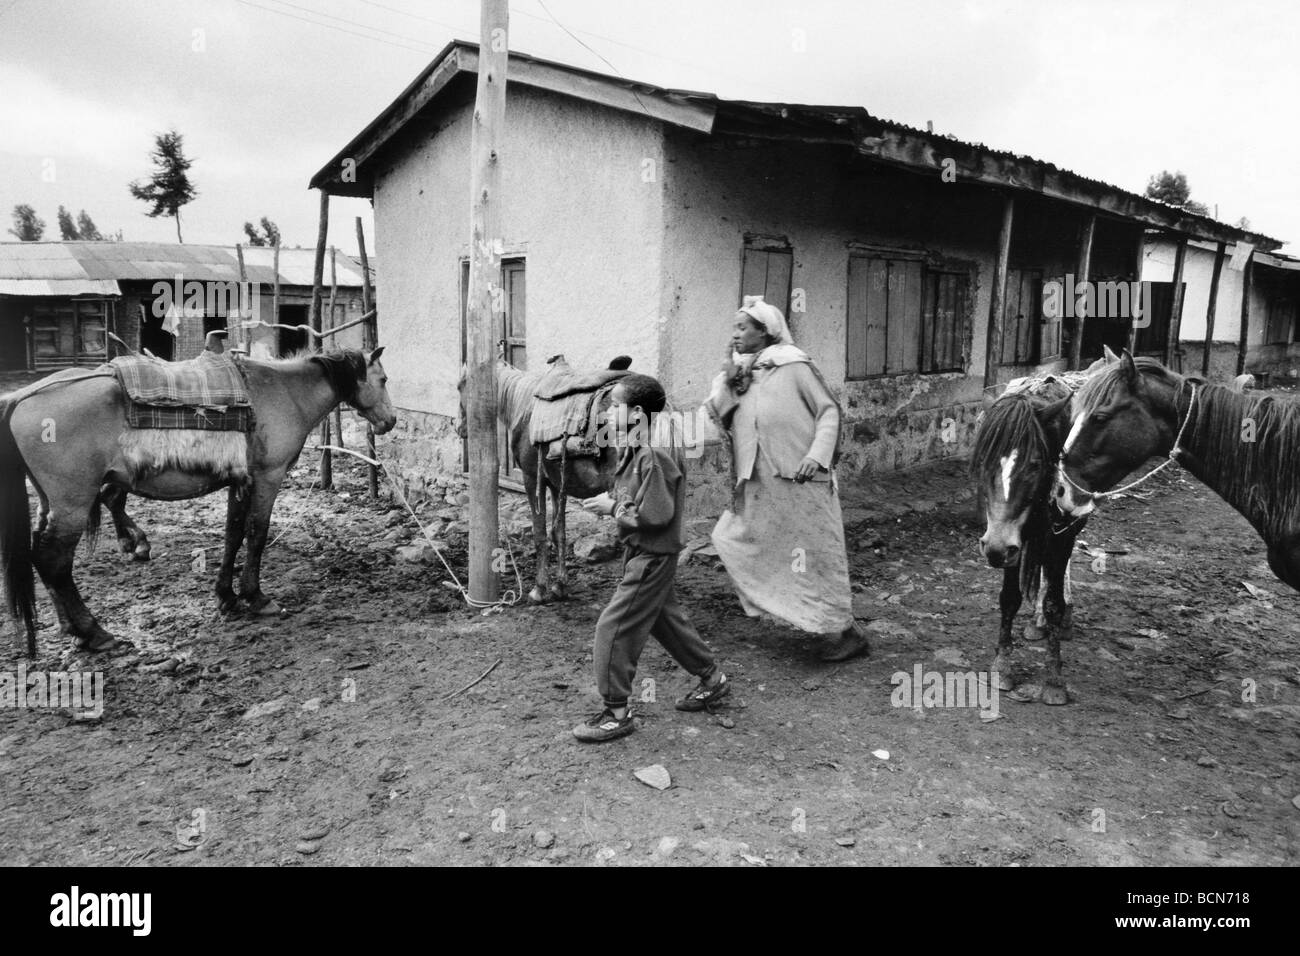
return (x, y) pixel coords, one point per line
(67, 228)
(28, 227)
(169, 187)
(86, 227)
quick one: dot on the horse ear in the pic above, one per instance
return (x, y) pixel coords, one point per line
(1129, 373)
(374, 356)
(1107, 356)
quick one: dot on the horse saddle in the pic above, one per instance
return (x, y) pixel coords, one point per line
(566, 409)
(206, 394)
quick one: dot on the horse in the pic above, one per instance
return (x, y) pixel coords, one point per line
(94, 448)
(1245, 448)
(1016, 449)
(582, 477)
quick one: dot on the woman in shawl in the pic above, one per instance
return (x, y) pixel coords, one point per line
(782, 539)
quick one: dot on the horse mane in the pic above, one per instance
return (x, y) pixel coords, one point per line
(515, 388)
(1103, 386)
(345, 370)
(1011, 425)
(1258, 478)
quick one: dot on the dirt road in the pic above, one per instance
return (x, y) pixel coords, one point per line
(335, 734)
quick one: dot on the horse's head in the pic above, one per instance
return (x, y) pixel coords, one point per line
(1013, 465)
(1121, 417)
(372, 399)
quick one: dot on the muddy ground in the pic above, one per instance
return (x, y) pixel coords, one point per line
(336, 734)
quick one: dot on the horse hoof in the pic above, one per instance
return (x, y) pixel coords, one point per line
(1054, 695)
(265, 608)
(141, 553)
(536, 596)
(1034, 632)
(99, 642)
(559, 593)
(1027, 693)
(1005, 681)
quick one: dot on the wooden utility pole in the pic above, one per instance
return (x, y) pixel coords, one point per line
(1081, 271)
(314, 320)
(1139, 260)
(997, 301)
(1176, 306)
(369, 339)
(1213, 306)
(484, 273)
(334, 337)
(275, 294)
(235, 323)
(1247, 274)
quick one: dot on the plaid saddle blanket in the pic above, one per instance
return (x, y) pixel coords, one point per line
(565, 407)
(207, 393)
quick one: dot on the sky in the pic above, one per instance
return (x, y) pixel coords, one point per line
(265, 92)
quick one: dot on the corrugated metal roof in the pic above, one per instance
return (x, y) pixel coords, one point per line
(59, 287)
(112, 262)
(852, 126)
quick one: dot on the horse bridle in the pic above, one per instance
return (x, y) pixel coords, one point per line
(1115, 492)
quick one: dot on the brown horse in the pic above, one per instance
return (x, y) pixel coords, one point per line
(1013, 463)
(581, 477)
(1245, 448)
(93, 447)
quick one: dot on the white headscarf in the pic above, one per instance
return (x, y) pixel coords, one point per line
(768, 317)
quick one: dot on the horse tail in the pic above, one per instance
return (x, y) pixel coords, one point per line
(93, 521)
(16, 530)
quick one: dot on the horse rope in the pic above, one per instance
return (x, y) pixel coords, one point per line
(509, 597)
(1170, 460)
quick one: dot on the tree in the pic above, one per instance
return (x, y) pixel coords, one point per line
(272, 232)
(87, 228)
(1172, 188)
(1243, 224)
(269, 236)
(28, 227)
(67, 228)
(169, 187)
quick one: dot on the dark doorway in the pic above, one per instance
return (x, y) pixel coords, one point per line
(13, 335)
(155, 338)
(292, 340)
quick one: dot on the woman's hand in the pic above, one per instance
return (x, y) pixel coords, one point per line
(807, 470)
(601, 504)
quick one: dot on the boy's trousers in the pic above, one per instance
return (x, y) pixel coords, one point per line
(644, 603)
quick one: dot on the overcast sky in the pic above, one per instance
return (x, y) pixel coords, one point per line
(267, 91)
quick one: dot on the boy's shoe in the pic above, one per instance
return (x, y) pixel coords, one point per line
(604, 726)
(706, 694)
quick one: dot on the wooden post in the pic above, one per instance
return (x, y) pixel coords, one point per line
(237, 333)
(314, 320)
(1139, 260)
(334, 338)
(369, 340)
(1213, 306)
(1080, 277)
(1247, 274)
(275, 295)
(1176, 308)
(484, 272)
(997, 301)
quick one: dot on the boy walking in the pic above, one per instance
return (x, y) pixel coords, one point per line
(647, 502)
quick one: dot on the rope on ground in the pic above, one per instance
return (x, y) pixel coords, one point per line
(509, 597)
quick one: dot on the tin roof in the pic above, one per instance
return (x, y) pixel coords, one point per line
(85, 267)
(852, 126)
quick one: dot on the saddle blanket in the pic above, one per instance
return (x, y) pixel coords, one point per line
(205, 394)
(565, 407)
